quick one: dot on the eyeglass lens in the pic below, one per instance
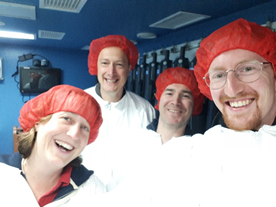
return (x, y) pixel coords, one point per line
(246, 72)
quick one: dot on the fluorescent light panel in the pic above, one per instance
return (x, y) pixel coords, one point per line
(17, 10)
(17, 35)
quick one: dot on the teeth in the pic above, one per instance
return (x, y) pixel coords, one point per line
(173, 111)
(64, 145)
(240, 103)
(110, 81)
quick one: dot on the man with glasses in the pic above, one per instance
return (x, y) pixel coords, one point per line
(233, 166)
(236, 69)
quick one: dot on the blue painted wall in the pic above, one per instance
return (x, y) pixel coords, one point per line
(74, 64)
(75, 72)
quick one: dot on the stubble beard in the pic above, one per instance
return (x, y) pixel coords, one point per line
(244, 121)
(233, 122)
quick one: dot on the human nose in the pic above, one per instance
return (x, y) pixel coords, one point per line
(74, 132)
(112, 69)
(233, 85)
(176, 99)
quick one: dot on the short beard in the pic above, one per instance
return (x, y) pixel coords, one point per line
(251, 121)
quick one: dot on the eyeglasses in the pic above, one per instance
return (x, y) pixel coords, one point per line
(246, 72)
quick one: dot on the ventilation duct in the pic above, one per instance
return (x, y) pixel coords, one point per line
(179, 19)
(62, 5)
(50, 35)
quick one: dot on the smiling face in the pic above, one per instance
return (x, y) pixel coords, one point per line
(113, 70)
(176, 106)
(61, 139)
(245, 106)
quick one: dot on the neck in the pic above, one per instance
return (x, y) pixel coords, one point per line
(112, 96)
(167, 132)
(40, 177)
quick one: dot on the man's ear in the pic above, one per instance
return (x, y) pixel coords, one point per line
(275, 83)
(129, 68)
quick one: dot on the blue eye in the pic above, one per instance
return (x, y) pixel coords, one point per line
(85, 128)
(248, 69)
(218, 75)
(66, 118)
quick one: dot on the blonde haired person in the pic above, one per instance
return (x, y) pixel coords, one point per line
(47, 170)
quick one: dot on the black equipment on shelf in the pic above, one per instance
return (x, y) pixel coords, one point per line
(140, 77)
(182, 61)
(166, 63)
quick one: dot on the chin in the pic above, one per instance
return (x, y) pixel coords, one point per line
(239, 124)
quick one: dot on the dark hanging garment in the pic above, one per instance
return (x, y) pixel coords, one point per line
(166, 63)
(131, 79)
(140, 77)
(181, 61)
(154, 66)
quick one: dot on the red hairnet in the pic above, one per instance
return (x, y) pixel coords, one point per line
(120, 41)
(183, 76)
(239, 34)
(62, 98)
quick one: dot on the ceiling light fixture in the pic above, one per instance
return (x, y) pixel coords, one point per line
(17, 35)
(146, 35)
(86, 47)
(134, 42)
(21, 11)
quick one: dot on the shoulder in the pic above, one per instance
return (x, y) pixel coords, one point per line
(81, 174)
(90, 90)
(13, 160)
(138, 100)
(215, 129)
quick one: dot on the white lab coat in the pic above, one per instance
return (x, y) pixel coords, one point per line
(130, 113)
(15, 191)
(244, 167)
(222, 168)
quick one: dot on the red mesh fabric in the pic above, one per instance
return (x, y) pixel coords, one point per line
(120, 41)
(183, 76)
(62, 98)
(239, 34)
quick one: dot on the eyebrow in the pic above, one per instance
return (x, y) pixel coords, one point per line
(184, 91)
(243, 61)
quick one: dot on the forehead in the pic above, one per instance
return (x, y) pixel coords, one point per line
(109, 52)
(232, 58)
(177, 87)
(76, 116)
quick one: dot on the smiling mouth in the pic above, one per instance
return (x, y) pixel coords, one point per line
(111, 81)
(174, 111)
(64, 145)
(237, 104)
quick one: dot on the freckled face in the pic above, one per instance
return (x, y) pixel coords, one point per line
(245, 106)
